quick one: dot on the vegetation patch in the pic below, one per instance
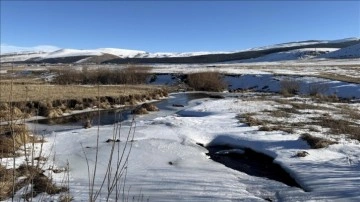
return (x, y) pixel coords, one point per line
(129, 75)
(316, 142)
(29, 175)
(339, 126)
(289, 87)
(206, 81)
(12, 137)
(250, 120)
(54, 101)
(340, 77)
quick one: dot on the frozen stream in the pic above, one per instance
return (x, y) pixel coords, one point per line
(254, 164)
(167, 162)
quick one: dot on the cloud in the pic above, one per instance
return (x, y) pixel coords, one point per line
(5, 48)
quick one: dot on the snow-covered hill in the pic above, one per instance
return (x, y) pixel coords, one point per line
(297, 54)
(304, 43)
(348, 52)
(277, 52)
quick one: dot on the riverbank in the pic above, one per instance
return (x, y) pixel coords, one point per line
(52, 101)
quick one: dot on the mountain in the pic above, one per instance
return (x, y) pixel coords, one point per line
(347, 52)
(297, 54)
(277, 52)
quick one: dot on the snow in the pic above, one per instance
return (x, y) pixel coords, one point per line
(303, 43)
(270, 83)
(10, 49)
(21, 56)
(329, 174)
(71, 53)
(185, 54)
(348, 52)
(304, 53)
(125, 53)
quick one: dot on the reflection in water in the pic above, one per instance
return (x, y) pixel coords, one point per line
(109, 117)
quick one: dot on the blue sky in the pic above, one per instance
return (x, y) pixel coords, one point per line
(175, 26)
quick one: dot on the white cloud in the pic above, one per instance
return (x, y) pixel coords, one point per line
(5, 48)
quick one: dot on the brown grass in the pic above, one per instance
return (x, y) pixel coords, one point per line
(316, 142)
(339, 126)
(351, 113)
(104, 76)
(19, 134)
(33, 175)
(339, 77)
(318, 89)
(289, 87)
(206, 81)
(250, 120)
(61, 92)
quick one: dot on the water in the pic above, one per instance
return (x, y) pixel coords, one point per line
(248, 161)
(109, 117)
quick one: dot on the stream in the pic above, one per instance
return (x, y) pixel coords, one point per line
(247, 161)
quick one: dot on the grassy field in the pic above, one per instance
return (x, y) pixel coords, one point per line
(54, 92)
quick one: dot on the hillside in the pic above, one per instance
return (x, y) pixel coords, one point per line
(349, 48)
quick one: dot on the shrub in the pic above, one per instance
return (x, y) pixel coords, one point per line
(289, 87)
(316, 142)
(206, 81)
(128, 75)
(318, 89)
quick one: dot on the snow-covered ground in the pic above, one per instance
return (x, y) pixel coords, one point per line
(348, 52)
(166, 164)
(297, 54)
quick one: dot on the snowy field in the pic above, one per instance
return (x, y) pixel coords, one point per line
(167, 164)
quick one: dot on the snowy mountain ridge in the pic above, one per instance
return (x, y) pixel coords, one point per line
(277, 52)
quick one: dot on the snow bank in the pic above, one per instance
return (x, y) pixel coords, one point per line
(348, 52)
(166, 164)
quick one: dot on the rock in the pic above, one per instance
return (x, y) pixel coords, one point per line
(216, 96)
(302, 154)
(112, 140)
(177, 105)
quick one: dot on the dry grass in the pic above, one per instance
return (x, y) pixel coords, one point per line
(339, 126)
(289, 87)
(316, 142)
(31, 175)
(128, 75)
(350, 112)
(318, 89)
(250, 120)
(60, 92)
(339, 77)
(206, 81)
(19, 134)
(279, 113)
(54, 100)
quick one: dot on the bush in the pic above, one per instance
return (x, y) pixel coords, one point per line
(289, 87)
(206, 81)
(128, 75)
(316, 89)
(316, 142)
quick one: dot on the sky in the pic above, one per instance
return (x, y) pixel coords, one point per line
(174, 26)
